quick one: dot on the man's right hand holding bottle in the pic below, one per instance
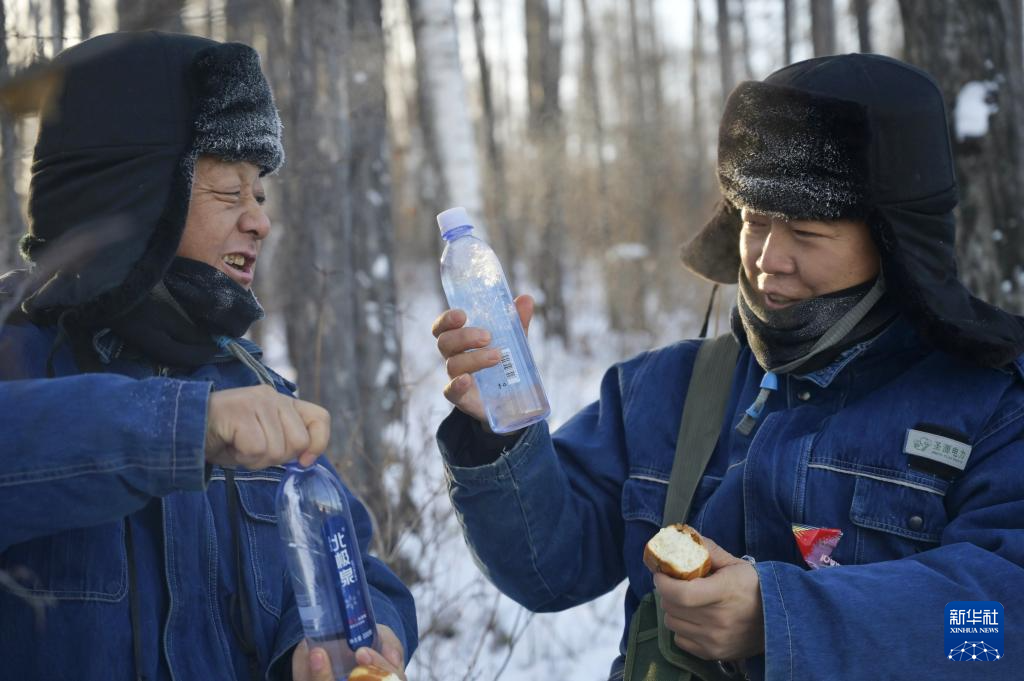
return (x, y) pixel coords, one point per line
(455, 342)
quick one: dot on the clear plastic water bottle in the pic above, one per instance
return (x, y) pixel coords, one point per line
(473, 281)
(326, 567)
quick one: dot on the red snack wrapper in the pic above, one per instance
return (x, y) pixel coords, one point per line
(816, 544)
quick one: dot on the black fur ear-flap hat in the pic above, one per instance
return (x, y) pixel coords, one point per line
(856, 136)
(115, 155)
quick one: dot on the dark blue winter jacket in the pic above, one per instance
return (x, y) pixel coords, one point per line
(84, 456)
(560, 519)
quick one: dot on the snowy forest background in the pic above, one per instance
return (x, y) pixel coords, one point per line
(581, 134)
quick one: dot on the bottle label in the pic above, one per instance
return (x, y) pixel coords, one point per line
(359, 624)
(509, 367)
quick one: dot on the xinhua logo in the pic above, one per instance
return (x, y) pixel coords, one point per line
(974, 631)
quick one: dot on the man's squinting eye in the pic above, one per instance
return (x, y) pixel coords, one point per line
(260, 198)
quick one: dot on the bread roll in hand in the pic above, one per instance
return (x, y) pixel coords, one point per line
(678, 551)
(371, 673)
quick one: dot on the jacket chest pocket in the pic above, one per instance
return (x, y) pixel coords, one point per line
(264, 553)
(84, 564)
(895, 519)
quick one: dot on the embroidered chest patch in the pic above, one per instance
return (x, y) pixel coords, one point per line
(931, 450)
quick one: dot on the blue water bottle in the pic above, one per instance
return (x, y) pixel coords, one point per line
(473, 281)
(315, 524)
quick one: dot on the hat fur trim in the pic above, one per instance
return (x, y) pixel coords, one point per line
(236, 119)
(794, 154)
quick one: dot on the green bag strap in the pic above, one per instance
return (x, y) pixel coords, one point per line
(701, 423)
(651, 653)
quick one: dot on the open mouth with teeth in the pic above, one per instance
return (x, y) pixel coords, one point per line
(239, 265)
(237, 260)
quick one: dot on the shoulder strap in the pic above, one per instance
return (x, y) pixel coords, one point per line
(701, 424)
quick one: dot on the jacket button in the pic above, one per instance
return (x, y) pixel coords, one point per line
(803, 395)
(916, 522)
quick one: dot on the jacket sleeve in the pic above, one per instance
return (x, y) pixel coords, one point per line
(86, 449)
(897, 608)
(544, 519)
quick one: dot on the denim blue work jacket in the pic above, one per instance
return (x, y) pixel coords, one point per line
(560, 519)
(84, 454)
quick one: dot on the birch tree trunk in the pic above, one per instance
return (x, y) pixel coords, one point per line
(974, 51)
(444, 107)
(13, 225)
(699, 165)
(543, 70)
(35, 13)
(239, 21)
(317, 253)
(725, 64)
(593, 116)
(787, 32)
(506, 240)
(136, 15)
(85, 18)
(862, 10)
(58, 16)
(823, 27)
(243, 21)
(591, 95)
(376, 324)
(745, 43)
(432, 195)
(643, 174)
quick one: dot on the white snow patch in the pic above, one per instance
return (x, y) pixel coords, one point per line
(386, 369)
(1006, 286)
(275, 347)
(997, 235)
(609, 152)
(380, 267)
(974, 105)
(374, 197)
(627, 251)
(371, 311)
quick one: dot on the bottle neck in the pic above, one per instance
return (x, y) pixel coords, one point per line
(455, 233)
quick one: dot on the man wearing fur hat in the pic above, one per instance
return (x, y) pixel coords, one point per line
(142, 436)
(872, 396)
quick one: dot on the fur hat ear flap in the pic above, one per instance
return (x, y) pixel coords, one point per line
(714, 253)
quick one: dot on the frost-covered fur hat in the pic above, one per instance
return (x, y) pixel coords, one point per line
(116, 153)
(856, 136)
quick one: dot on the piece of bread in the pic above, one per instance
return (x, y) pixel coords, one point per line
(372, 673)
(678, 551)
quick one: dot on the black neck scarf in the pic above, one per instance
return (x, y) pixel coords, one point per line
(779, 337)
(176, 323)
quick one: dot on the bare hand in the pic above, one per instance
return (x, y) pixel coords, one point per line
(718, 617)
(257, 427)
(311, 665)
(391, 657)
(315, 665)
(454, 342)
